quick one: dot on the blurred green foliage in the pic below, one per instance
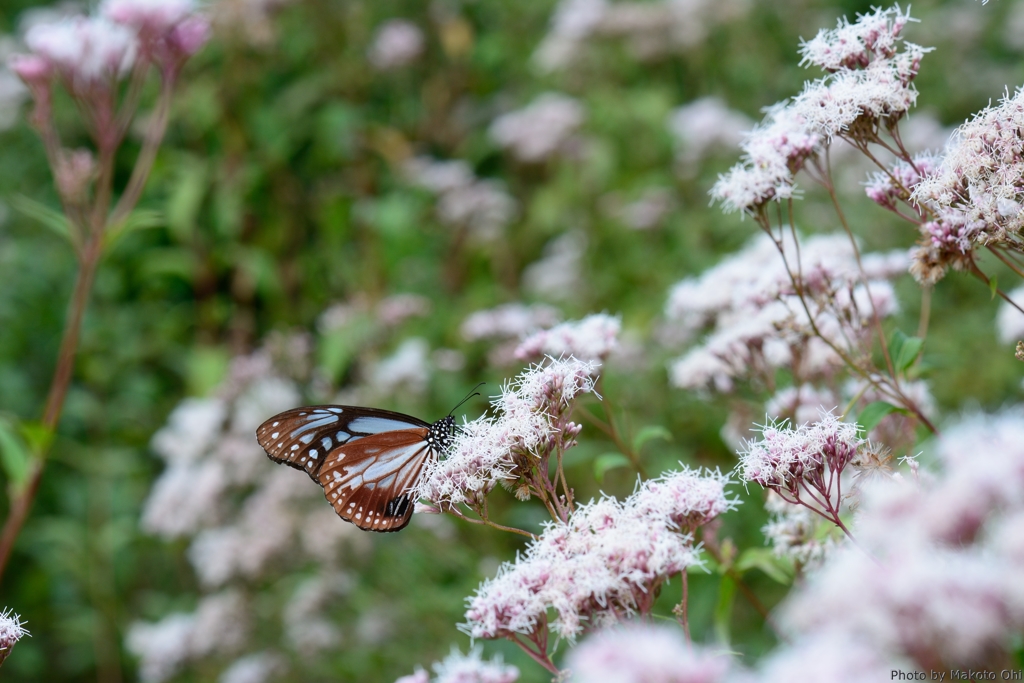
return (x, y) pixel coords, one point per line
(279, 192)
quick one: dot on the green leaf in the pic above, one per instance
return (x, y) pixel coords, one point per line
(136, 220)
(873, 414)
(648, 433)
(14, 453)
(993, 286)
(37, 436)
(904, 350)
(609, 461)
(186, 197)
(50, 218)
(777, 568)
(723, 608)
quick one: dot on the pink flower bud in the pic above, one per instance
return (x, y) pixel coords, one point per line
(190, 35)
(32, 69)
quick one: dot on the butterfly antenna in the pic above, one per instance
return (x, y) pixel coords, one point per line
(473, 392)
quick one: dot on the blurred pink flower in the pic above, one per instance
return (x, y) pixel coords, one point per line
(641, 653)
(592, 338)
(397, 43)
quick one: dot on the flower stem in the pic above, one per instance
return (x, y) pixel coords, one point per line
(21, 502)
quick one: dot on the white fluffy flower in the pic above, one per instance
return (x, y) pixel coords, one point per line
(483, 206)
(760, 323)
(397, 43)
(606, 561)
(641, 653)
(11, 631)
(508, 321)
(592, 338)
(472, 668)
(408, 368)
(159, 16)
(539, 130)
(557, 275)
(484, 451)
(978, 177)
(260, 667)
(86, 51)
(704, 124)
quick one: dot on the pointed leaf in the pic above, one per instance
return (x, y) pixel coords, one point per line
(136, 220)
(14, 454)
(873, 414)
(609, 461)
(777, 568)
(904, 350)
(50, 218)
(650, 432)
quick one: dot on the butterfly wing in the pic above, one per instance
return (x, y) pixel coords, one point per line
(302, 437)
(369, 481)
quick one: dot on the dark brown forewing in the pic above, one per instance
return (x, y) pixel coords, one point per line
(369, 482)
(302, 437)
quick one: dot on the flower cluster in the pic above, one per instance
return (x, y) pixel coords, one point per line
(932, 584)
(508, 321)
(650, 30)
(465, 201)
(468, 668)
(592, 338)
(937, 581)
(870, 85)
(94, 52)
(804, 465)
(976, 190)
(772, 154)
(604, 563)
(540, 130)
(531, 423)
(762, 322)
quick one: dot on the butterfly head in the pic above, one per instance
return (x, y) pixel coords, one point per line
(441, 434)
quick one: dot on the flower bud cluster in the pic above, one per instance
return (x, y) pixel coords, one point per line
(88, 52)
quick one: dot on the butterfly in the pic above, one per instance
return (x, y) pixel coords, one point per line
(367, 460)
